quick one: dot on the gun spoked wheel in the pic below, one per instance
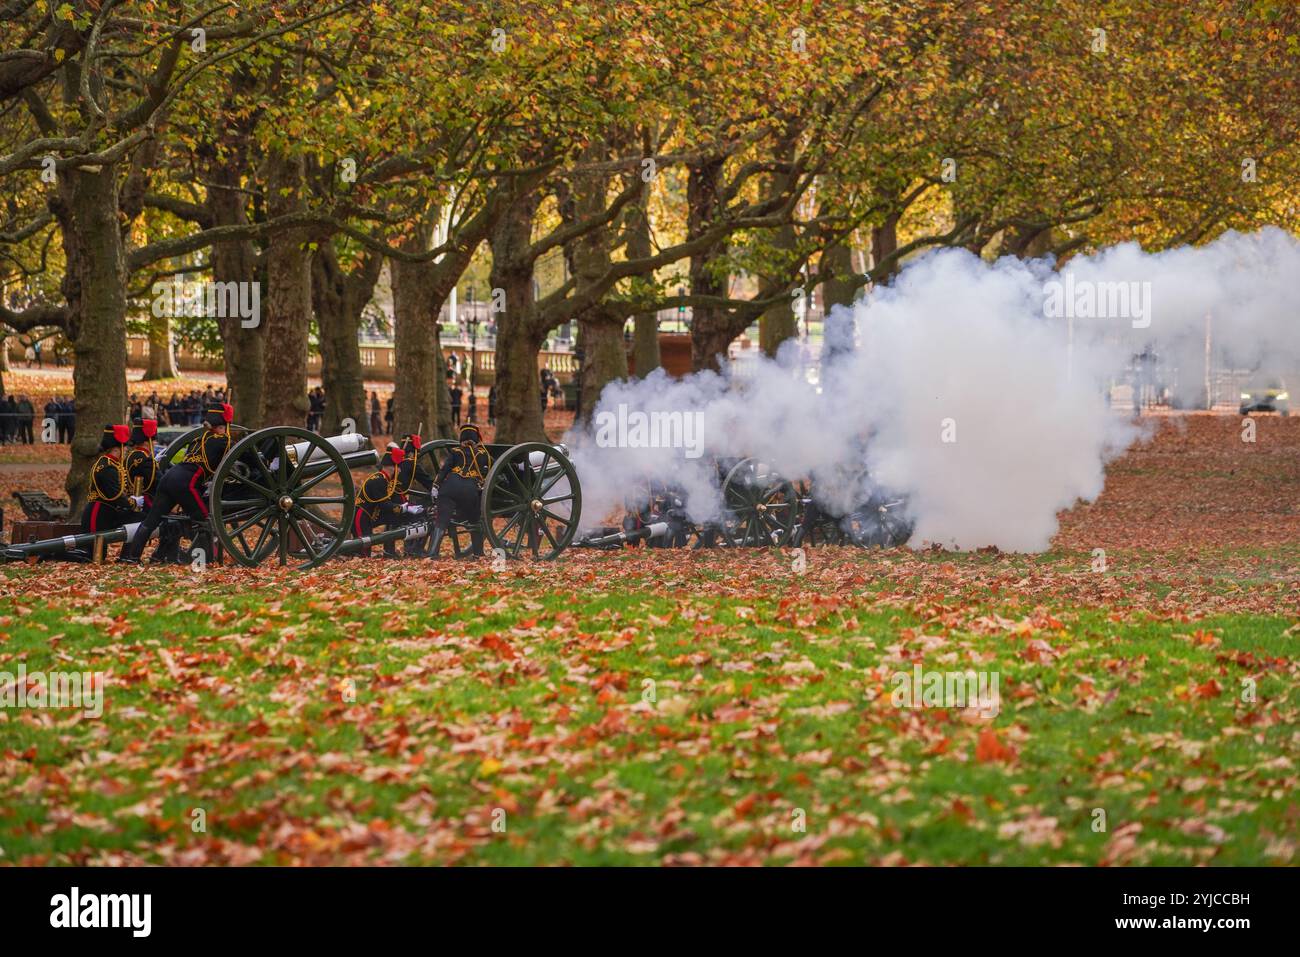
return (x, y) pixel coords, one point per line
(282, 491)
(815, 525)
(532, 500)
(879, 523)
(759, 505)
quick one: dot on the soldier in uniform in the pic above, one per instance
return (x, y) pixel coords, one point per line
(412, 476)
(140, 462)
(459, 488)
(109, 503)
(183, 483)
(143, 469)
(381, 500)
(411, 471)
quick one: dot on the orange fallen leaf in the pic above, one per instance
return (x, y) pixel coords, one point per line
(990, 748)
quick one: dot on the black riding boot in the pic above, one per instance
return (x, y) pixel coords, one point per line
(435, 541)
(169, 544)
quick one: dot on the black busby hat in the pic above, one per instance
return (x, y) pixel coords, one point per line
(114, 435)
(470, 432)
(222, 413)
(392, 456)
(143, 430)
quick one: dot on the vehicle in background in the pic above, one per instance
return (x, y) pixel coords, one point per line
(1269, 396)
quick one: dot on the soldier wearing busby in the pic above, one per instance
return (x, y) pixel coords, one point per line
(411, 472)
(459, 488)
(110, 503)
(140, 462)
(413, 477)
(381, 500)
(184, 484)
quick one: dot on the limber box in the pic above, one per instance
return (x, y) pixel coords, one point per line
(27, 531)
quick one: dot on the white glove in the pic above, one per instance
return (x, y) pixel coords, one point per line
(433, 491)
(137, 501)
(409, 509)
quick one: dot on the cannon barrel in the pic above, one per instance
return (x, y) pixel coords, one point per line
(349, 445)
(653, 530)
(535, 459)
(346, 444)
(57, 546)
(364, 459)
(400, 533)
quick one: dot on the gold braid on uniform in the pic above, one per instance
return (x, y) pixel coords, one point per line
(96, 495)
(153, 471)
(392, 485)
(199, 456)
(468, 467)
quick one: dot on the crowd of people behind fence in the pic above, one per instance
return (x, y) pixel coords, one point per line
(20, 423)
(17, 414)
(179, 409)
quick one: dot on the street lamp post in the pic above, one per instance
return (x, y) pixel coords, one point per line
(473, 338)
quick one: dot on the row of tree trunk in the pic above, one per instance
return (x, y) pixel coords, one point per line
(304, 273)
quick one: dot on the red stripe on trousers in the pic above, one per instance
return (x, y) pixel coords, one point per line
(195, 492)
(94, 517)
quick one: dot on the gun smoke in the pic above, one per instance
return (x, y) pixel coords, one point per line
(969, 387)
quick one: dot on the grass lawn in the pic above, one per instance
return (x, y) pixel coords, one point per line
(629, 708)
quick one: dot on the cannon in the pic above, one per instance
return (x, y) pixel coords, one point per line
(761, 508)
(875, 517)
(280, 492)
(530, 506)
(288, 493)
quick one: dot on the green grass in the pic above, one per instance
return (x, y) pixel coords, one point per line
(638, 717)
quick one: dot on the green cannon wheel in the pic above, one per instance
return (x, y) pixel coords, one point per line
(270, 497)
(760, 505)
(878, 523)
(532, 501)
(815, 525)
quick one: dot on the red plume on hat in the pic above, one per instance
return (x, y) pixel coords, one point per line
(219, 414)
(122, 433)
(149, 427)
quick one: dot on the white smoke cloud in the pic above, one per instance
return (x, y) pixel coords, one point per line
(963, 393)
